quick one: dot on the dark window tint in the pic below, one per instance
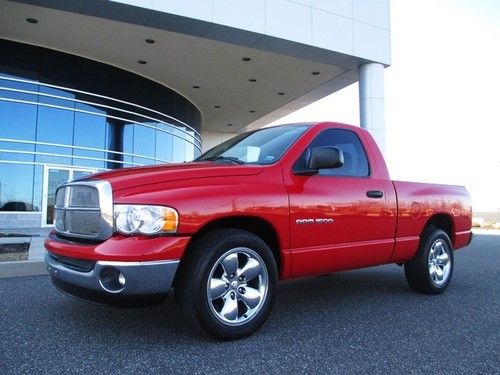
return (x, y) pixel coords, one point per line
(355, 160)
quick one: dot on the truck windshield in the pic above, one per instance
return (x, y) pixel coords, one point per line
(263, 146)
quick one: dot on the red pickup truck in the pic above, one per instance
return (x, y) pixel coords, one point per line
(276, 203)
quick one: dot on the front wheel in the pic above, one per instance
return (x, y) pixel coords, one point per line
(431, 270)
(226, 284)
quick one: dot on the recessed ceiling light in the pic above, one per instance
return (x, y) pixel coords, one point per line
(196, 87)
(32, 20)
(216, 106)
(142, 62)
(252, 111)
(229, 124)
(315, 73)
(252, 80)
(246, 59)
(281, 93)
(149, 41)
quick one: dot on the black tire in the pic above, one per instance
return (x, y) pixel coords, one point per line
(431, 269)
(232, 315)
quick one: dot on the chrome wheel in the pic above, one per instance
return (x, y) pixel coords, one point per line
(439, 262)
(237, 286)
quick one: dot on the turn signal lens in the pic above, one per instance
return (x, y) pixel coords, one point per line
(171, 221)
(130, 219)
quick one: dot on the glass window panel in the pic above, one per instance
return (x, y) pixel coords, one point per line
(197, 153)
(80, 160)
(115, 139)
(16, 187)
(128, 143)
(18, 121)
(7, 84)
(81, 174)
(179, 147)
(56, 178)
(355, 160)
(53, 155)
(90, 131)
(143, 161)
(54, 101)
(37, 187)
(55, 126)
(15, 155)
(190, 146)
(144, 143)
(164, 143)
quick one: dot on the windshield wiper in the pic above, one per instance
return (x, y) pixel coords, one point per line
(224, 158)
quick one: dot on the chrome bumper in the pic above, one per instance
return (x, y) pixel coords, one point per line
(140, 278)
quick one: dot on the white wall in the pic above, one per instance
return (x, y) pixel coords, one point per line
(212, 139)
(352, 27)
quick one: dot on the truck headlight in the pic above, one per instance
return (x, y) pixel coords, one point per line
(130, 219)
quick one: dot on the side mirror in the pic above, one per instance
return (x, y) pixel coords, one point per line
(325, 158)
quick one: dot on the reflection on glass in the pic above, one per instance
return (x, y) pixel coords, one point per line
(128, 143)
(144, 143)
(90, 131)
(179, 147)
(164, 143)
(54, 126)
(45, 119)
(6, 93)
(37, 187)
(16, 187)
(79, 174)
(190, 154)
(17, 122)
(55, 101)
(57, 177)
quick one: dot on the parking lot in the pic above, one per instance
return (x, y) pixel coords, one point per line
(365, 321)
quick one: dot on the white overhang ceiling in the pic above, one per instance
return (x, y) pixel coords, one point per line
(244, 94)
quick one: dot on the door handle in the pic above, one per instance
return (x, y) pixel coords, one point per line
(374, 194)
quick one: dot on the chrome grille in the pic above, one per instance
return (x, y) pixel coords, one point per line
(83, 196)
(84, 209)
(61, 193)
(83, 222)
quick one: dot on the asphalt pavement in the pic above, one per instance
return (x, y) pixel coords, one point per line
(364, 322)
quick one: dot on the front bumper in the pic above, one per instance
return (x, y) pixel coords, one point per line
(138, 278)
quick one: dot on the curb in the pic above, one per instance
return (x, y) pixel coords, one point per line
(9, 240)
(22, 268)
(494, 232)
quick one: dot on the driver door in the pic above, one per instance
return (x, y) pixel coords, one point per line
(339, 217)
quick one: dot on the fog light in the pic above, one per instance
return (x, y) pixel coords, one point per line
(121, 279)
(112, 280)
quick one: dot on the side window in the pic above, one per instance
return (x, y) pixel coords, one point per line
(355, 160)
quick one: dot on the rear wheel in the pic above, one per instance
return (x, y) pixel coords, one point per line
(226, 284)
(431, 270)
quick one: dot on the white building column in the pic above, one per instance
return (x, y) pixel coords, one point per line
(371, 101)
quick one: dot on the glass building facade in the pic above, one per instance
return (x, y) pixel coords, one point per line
(63, 116)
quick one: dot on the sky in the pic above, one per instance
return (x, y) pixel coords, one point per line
(442, 96)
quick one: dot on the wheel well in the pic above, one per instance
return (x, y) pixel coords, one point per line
(443, 222)
(255, 225)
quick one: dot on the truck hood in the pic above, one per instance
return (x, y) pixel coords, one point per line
(139, 176)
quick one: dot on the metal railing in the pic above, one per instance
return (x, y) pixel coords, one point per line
(190, 136)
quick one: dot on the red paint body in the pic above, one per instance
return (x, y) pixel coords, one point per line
(365, 232)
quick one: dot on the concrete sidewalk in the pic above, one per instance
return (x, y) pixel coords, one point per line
(35, 264)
